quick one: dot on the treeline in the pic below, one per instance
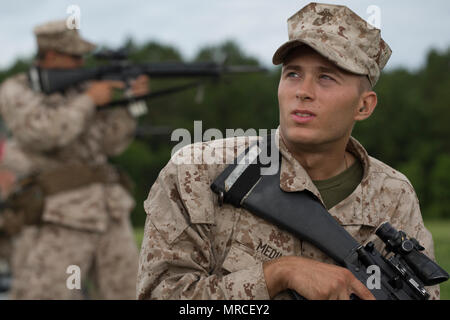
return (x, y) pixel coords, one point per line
(409, 130)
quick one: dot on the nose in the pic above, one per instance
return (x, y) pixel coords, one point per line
(305, 89)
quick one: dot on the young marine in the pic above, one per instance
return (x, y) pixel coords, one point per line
(193, 248)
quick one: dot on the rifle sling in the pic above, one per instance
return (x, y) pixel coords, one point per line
(73, 176)
(151, 95)
(27, 203)
(304, 216)
(299, 213)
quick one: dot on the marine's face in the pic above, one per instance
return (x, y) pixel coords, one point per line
(318, 101)
(57, 60)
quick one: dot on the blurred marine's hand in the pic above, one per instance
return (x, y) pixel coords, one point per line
(101, 91)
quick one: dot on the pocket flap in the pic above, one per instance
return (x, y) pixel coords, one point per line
(238, 259)
(351, 213)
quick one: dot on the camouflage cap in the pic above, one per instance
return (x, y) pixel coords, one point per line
(57, 36)
(340, 35)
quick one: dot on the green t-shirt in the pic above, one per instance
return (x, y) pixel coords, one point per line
(339, 187)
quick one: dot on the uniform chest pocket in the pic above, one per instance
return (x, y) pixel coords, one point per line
(361, 232)
(360, 223)
(239, 257)
(260, 239)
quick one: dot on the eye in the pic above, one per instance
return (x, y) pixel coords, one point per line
(326, 77)
(292, 75)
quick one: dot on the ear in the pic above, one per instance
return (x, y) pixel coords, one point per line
(50, 54)
(47, 58)
(367, 104)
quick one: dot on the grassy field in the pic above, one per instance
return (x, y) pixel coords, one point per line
(441, 235)
(440, 230)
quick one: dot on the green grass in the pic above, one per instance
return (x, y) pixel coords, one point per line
(138, 235)
(440, 229)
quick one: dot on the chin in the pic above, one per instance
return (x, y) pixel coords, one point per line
(296, 135)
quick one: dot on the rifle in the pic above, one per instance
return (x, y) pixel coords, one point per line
(143, 132)
(403, 275)
(119, 68)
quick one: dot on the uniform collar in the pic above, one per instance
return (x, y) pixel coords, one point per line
(293, 177)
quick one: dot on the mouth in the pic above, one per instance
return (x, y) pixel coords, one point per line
(302, 116)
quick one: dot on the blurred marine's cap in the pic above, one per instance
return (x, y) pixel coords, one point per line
(57, 36)
(340, 35)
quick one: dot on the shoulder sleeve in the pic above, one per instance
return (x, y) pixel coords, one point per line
(15, 159)
(118, 129)
(177, 259)
(39, 126)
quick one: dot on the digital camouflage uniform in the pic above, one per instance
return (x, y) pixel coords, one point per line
(5, 240)
(88, 226)
(195, 249)
(17, 163)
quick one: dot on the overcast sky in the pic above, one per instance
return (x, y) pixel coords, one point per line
(410, 27)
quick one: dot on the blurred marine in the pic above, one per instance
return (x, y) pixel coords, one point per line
(81, 203)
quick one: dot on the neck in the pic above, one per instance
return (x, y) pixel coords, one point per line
(322, 163)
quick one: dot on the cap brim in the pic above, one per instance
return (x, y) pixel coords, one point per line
(83, 47)
(322, 48)
(283, 51)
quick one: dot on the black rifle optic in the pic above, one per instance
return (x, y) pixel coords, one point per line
(118, 68)
(402, 275)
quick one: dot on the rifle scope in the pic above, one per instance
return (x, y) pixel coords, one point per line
(409, 249)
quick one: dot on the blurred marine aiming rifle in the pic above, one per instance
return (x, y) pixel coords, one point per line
(119, 68)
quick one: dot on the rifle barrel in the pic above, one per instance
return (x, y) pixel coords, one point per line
(244, 69)
(52, 80)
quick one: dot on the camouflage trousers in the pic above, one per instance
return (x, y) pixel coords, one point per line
(44, 258)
